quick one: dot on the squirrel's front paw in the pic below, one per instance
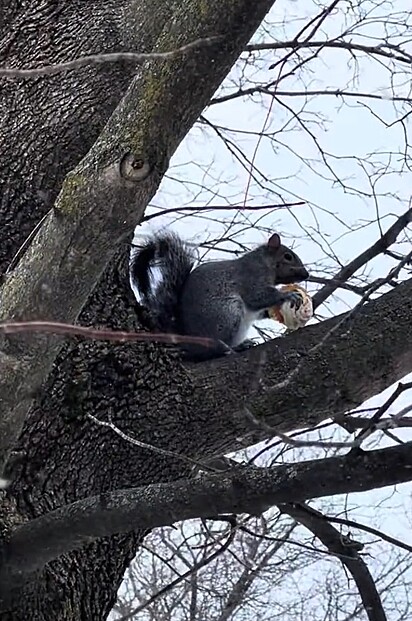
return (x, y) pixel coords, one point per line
(295, 299)
(244, 345)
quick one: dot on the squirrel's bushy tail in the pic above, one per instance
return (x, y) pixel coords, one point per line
(172, 257)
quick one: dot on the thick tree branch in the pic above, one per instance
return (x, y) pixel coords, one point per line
(244, 490)
(290, 384)
(361, 354)
(107, 193)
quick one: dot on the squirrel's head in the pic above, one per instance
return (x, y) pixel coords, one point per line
(288, 266)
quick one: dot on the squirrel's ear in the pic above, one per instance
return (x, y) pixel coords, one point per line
(274, 241)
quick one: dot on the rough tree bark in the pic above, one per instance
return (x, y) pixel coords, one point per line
(48, 125)
(62, 456)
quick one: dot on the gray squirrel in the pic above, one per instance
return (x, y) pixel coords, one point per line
(219, 300)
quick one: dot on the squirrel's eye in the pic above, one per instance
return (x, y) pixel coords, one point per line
(288, 256)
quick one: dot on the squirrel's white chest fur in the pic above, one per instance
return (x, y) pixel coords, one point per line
(249, 318)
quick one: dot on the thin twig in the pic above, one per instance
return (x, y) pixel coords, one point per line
(196, 567)
(163, 212)
(112, 57)
(375, 50)
(147, 446)
(20, 252)
(370, 530)
(353, 423)
(68, 329)
(373, 423)
(376, 249)
(274, 92)
(273, 431)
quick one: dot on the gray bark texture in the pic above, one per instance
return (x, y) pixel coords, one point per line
(96, 123)
(47, 128)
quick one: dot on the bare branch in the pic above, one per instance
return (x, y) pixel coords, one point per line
(369, 529)
(247, 490)
(194, 569)
(348, 552)
(147, 446)
(212, 208)
(113, 57)
(374, 421)
(351, 423)
(119, 336)
(377, 248)
(275, 92)
(354, 373)
(372, 50)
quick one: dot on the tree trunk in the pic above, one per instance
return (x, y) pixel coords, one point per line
(47, 125)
